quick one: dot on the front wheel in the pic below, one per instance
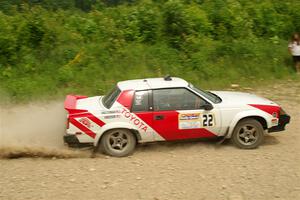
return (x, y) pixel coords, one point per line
(118, 142)
(248, 134)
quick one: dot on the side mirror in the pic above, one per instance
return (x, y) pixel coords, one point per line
(207, 106)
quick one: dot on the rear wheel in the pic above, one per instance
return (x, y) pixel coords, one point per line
(118, 142)
(248, 134)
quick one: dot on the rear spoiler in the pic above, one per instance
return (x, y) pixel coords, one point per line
(70, 103)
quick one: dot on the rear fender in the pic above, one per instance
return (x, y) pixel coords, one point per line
(115, 125)
(70, 104)
(245, 114)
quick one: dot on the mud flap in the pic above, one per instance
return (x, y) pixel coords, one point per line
(223, 137)
(94, 151)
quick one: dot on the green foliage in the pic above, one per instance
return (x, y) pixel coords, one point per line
(52, 47)
(182, 21)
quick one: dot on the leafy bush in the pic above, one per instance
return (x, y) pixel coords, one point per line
(50, 48)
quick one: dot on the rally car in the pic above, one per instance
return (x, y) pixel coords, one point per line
(166, 109)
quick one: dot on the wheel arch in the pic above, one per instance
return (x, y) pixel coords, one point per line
(261, 119)
(113, 126)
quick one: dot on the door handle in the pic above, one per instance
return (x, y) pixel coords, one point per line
(158, 117)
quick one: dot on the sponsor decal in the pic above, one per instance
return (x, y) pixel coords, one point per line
(83, 128)
(135, 120)
(195, 120)
(190, 116)
(111, 116)
(139, 97)
(110, 112)
(86, 122)
(189, 120)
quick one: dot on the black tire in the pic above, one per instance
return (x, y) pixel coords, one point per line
(248, 134)
(118, 142)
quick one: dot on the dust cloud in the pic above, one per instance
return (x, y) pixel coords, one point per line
(33, 130)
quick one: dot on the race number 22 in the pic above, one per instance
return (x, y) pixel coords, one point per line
(208, 120)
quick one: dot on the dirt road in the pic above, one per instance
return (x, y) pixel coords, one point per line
(190, 170)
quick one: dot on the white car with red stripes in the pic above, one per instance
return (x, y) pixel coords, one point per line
(167, 109)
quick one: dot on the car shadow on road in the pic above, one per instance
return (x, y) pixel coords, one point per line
(179, 145)
(197, 143)
(270, 140)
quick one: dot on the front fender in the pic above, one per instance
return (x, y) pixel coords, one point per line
(245, 114)
(112, 125)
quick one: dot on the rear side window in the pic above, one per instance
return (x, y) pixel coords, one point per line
(140, 101)
(109, 99)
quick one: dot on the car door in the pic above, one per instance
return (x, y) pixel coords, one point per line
(178, 113)
(141, 107)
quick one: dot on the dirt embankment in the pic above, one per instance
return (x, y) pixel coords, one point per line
(188, 170)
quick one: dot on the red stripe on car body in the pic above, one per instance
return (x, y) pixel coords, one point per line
(168, 128)
(96, 120)
(82, 128)
(125, 98)
(83, 114)
(90, 116)
(267, 108)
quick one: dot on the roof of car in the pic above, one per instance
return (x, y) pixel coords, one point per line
(152, 83)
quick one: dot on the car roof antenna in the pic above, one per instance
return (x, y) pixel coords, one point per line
(168, 78)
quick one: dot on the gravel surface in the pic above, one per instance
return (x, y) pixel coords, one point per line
(180, 170)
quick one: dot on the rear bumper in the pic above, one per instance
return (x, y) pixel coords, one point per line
(72, 141)
(283, 121)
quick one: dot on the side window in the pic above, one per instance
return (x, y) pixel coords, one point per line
(140, 101)
(109, 99)
(176, 99)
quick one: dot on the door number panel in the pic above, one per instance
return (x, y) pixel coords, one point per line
(195, 120)
(208, 120)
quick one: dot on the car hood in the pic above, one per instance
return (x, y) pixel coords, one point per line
(242, 98)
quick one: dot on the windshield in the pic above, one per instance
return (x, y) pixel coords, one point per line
(109, 99)
(209, 95)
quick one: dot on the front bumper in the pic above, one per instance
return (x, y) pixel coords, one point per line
(283, 120)
(73, 141)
